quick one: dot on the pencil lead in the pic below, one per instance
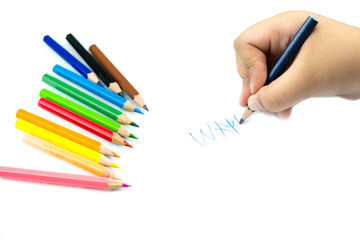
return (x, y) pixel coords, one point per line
(145, 107)
(115, 155)
(121, 94)
(126, 185)
(132, 136)
(241, 121)
(138, 111)
(127, 144)
(134, 124)
(115, 166)
(101, 84)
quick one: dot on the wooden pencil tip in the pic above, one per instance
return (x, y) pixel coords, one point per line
(247, 112)
(145, 107)
(115, 155)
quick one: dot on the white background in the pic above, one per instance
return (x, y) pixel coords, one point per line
(295, 179)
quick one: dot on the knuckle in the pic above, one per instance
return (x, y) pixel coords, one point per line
(238, 43)
(271, 103)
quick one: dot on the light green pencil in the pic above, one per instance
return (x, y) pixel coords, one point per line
(83, 111)
(88, 100)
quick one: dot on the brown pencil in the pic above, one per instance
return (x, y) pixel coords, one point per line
(116, 74)
(98, 69)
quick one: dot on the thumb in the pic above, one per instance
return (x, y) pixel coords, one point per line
(286, 91)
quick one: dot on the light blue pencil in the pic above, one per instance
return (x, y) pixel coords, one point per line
(96, 89)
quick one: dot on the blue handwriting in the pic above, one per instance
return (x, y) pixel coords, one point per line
(218, 128)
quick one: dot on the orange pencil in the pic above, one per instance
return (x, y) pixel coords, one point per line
(65, 132)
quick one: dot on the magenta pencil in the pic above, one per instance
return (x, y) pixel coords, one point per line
(61, 178)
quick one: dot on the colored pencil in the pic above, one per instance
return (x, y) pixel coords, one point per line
(88, 100)
(64, 132)
(93, 63)
(82, 122)
(74, 180)
(116, 74)
(64, 54)
(83, 111)
(63, 142)
(68, 156)
(97, 90)
(287, 56)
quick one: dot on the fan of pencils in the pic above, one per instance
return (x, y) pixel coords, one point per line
(105, 81)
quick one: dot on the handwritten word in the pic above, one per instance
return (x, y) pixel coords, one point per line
(217, 128)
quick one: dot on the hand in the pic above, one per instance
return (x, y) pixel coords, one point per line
(328, 64)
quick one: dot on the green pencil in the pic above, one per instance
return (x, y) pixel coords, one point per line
(83, 111)
(88, 100)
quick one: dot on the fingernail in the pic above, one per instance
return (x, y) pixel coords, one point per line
(255, 105)
(252, 86)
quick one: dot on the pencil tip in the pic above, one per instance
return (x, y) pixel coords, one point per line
(241, 121)
(132, 136)
(101, 84)
(127, 144)
(115, 155)
(121, 94)
(138, 111)
(134, 124)
(145, 107)
(115, 166)
(126, 185)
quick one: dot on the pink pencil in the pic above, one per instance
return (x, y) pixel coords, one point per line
(61, 178)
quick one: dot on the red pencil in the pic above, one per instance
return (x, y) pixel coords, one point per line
(82, 122)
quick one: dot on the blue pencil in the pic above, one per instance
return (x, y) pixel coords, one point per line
(287, 56)
(96, 89)
(81, 68)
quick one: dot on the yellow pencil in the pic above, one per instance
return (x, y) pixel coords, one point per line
(63, 142)
(68, 156)
(64, 132)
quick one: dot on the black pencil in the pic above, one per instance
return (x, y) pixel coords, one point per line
(95, 65)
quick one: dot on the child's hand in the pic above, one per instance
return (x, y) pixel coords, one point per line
(328, 64)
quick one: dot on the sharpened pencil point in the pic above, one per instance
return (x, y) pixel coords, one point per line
(138, 111)
(132, 136)
(115, 166)
(145, 107)
(134, 124)
(121, 94)
(115, 155)
(127, 144)
(102, 84)
(126, 185)
(241, 121)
